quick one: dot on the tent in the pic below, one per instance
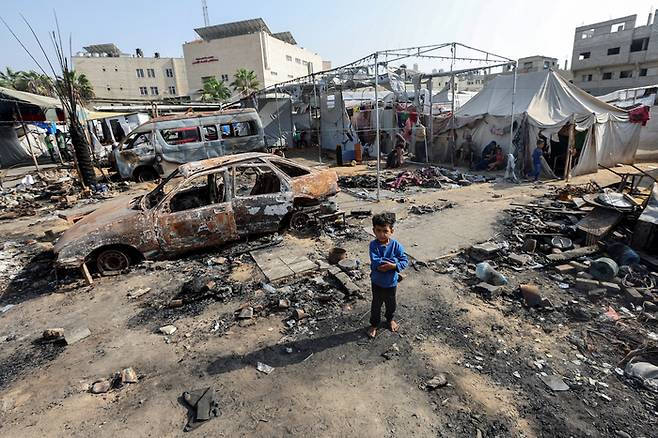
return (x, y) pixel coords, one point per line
(544, 103)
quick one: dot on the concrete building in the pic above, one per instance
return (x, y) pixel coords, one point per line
(615, 54)
(118, 76)
(536, 63)
(249, 44)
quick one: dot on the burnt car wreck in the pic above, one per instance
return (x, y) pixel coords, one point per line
(202, 204)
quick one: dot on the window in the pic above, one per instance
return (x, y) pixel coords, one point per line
(625, 74)
(587, 34)
(225, 78)
(108, 88)
(273, 73)
(639, 45)
(305, 62)
(290, 169)
(587, 78)
(205, 79)
(607, 76)
(643, 72)
(199, 192)
(172, 90)
(237, 129)
(136, 140)
(184, 135)
(254, 180)
(210, 132)
(298, 61)
(527, 64)
(289, 58)
(143, 91)
(613, 51)
(290, 76)
(116, 69)
(140, 72)
(154, 91)
(584, 55)
(617, 28)
(547, 65)
(150, 72)
(169, 72)
(103, 68)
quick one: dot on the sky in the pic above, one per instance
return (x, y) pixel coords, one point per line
(339, 30)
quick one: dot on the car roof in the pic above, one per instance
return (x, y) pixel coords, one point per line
(194, 167)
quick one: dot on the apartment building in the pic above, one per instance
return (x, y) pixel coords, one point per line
(223, 49)
(615, 54)
(119, 76)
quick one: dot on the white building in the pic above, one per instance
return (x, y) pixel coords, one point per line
(249, 44)
(119, 76)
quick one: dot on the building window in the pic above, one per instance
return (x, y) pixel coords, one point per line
(205, 79)
(305, 62)
(121, 88)
(103, 68)
(584, 55)
(273, 73)
(607, 76)
(140, 72)
(527, 64)
(108, 89)
(172, 90)
(625, 74)
(143, 91)
(587, 34)
(640, 45)
(169, 72)
(225, 78)
(587, 78)
(643, 72)
(298, 61)
(547, 65)
(289, 58)
(116, 69)
(150, 72)
(613, 51)
(154, 91)
(617, 28)
(290, 76)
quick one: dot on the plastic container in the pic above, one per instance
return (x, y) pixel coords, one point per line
(604, 269)
(484, 272)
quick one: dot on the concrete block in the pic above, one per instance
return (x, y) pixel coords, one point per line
(564, 269)
(585, 284)
(633, 296)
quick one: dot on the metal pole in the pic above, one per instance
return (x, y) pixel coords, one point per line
(431, 122)
(27, 137)
(452, 106)
(511, 129)
(315, 98)
(377, 126)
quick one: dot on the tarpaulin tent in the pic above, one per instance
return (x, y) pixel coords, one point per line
(546, 102)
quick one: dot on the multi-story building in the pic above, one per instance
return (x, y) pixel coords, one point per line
(536, 63)
(118, 76)
(615, 54)
(249, 44)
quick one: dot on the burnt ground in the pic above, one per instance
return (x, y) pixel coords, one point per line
(328, 378)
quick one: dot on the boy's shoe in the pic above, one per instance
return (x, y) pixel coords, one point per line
(401, 277)
(372, 332)
(394, 326)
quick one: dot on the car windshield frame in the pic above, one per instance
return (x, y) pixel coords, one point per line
(159, 189)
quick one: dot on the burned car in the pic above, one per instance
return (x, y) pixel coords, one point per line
(201, 204)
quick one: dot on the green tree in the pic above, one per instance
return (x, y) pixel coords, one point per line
(9, 78)
(36, 83)
(82, 88)
(214, 90)
(245, 82)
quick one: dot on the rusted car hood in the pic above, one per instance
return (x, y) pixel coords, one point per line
(322, 183)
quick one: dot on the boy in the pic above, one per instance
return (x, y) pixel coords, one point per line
(387, 259)
(537, 155)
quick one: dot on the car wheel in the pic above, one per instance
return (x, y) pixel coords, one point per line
(146, 174)
(299, 221)
(110, 261)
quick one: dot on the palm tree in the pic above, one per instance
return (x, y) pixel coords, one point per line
(9, 78)
(245, 82)
(82, 88)
(214, 90)
(35, 83)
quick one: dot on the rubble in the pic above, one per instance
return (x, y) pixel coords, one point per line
(204, 406)
(168, 330)
(438, 381)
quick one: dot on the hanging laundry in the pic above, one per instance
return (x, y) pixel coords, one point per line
(640, 115)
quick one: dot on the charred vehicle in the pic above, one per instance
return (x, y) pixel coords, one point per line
(159, 146)
(200, 205)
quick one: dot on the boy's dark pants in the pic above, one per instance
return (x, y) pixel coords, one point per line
(382, 295)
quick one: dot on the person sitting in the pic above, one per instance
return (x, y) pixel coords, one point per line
(499, 160)
(488, 156)
(395, 158)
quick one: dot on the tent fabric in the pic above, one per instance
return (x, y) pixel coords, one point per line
(547, 102)
(44, 102)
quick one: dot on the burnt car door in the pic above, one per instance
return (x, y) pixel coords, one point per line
(261, 198)
(196, 214)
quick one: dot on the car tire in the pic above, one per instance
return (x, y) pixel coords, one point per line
(112, 261)
(146, 174)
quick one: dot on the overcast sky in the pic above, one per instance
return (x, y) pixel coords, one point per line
(339, 30)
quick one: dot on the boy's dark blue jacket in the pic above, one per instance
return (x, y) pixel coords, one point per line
(379, 254)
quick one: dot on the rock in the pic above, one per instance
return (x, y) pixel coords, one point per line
(264, 368)
(518, 259)
(76, 334)
(299, 314)
(392, 352)
(284, 304)
(348, 264)
(246, 313)
(485, 251)
(611, 288)
(530, 245)
(438, 381)
(52, 334)
(554, 382)
(101, 386)
(168, 330)
(347, 283)
(585, 284)
(632, 296)
(487, 290)
(127, 375)
(139, 292)
(218, 260)
(596, 293)
(175, 303)
(531, 295)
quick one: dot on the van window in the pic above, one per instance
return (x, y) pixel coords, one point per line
(238, 129)
(137, 140)
(184, 135)
(210, 132)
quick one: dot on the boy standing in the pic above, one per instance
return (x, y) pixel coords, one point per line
(387, 259)
(537, 155)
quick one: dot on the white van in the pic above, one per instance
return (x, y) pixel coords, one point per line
(160, 145)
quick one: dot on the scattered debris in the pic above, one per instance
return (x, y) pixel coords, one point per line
(168, 330)
(264, 368)
(554, 382)
(438, 381)
(204, 406)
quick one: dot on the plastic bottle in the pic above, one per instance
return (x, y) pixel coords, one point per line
(484, 272)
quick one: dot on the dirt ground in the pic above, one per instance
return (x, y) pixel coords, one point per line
(329, 379)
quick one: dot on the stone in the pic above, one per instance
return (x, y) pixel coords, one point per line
(348, 264)
(585, 284)
(299, 314)
(139, 292)
(438, 381)
(564, 269)
(175, 303)
(485, 251)
(284, 304)
(596, 293)
(76, 334)
(246, 313)
(168, 330)
(101, 386)
(530, 245)
(218, 260)
(554, 382)
(128, 375)
(52, 333)
(531, 295)
(487, 290)
(264, 368)
(611, 288)
(347, 283)
(518, 259)
(631, 295)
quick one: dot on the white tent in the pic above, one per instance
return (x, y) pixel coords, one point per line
(547, 102)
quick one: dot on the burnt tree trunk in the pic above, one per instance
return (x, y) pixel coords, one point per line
(82, 153)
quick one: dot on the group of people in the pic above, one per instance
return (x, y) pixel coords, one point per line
(60, 140)
(492, 158)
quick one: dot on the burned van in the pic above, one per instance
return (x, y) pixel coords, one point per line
(159, 146)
